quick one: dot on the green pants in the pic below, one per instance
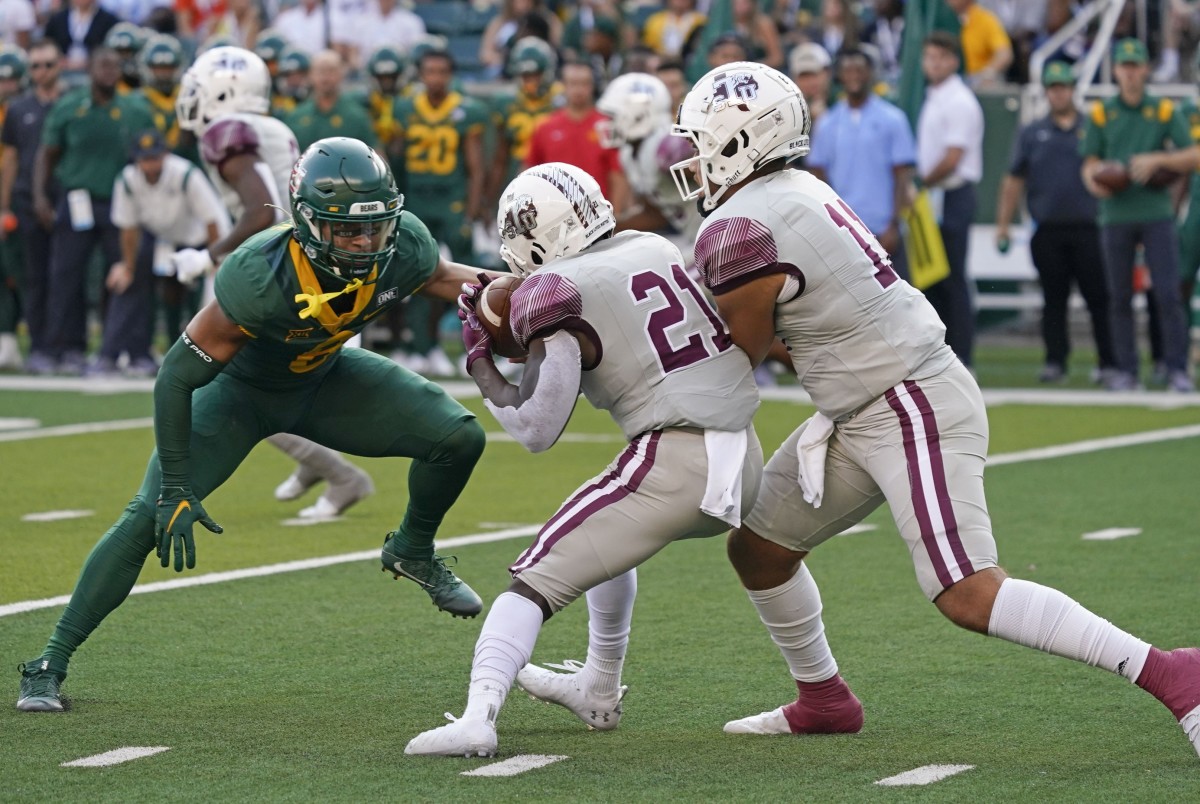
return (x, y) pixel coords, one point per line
(364, 405)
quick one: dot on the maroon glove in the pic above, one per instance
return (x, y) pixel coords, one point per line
(476, 340)
(470, 295)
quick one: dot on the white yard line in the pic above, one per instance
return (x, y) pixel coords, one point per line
(9, 423)
(514, 765)
(271, 569)
(56, 516)
(1108, 534)
(116, 756)
(926, 774)
(1096, 445)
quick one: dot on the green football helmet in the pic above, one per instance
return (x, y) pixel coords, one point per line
(125, 38)
(531, 55)
(161, 51)
(13, 64)
(386, 62)
(293, 60)
(269, 45)
(341, 189)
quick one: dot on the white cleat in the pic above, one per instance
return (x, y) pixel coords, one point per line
(459, 738)
(772, 722)
(601, 714)
(339, 497)
(321, 510)
(293, 488)
(1191, 727)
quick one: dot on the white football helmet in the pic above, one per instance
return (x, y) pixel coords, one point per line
(548, 212)
(738, 117)
(636, 105)
(222, 81)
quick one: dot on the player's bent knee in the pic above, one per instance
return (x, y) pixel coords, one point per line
(968, 603)
(519, 587)
(760, 564)
(463, 446)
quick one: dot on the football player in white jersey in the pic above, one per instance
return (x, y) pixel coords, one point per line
(616, 317)
(638, 106)
(224, 98)
(899, 419)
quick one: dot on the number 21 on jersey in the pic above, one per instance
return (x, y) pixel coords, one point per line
(681, 326)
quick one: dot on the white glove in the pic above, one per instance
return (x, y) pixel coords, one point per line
(811, 449)
(191, 264)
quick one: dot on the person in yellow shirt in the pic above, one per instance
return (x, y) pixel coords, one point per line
(987, 50)
(667, 31)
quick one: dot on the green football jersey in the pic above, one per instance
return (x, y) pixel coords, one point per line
(518, 115)
(267, 283)
(434, 142)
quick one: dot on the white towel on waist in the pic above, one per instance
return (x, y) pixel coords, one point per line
(811, 450)
(726, 452)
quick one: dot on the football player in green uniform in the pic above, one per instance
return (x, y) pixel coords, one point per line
(532, 63)
(442, 134)
(266, 357)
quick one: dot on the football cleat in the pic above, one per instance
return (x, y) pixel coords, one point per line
(832, 709)
(459, 738)
(599, 713)
(39, 687)
(445, 589)
(295, 485)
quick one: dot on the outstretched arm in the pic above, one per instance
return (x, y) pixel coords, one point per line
(448, 279)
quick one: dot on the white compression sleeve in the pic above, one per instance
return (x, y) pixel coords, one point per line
(504, 647)
(538, 422)
(1039, 617)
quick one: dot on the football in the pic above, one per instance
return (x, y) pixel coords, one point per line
(1162, 178)
(1112, 176)
(492, 310)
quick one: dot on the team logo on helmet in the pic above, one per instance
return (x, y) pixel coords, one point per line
(735, 88)
(586, 209)
(521, 218)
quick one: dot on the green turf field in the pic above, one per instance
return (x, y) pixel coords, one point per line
(305, 686)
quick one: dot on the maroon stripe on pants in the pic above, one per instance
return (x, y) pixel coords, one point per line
(616, 495)
(928, 537)
(939, 478)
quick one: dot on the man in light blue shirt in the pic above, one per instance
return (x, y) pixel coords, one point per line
(864, 148)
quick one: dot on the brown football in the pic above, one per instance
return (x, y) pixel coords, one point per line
(492, 310)
(1112, 176)
(1162, 178)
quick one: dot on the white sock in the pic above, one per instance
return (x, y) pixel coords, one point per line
(1039, 617)
(504, 647)
(610, 609)
(315, 460)
(792, 614)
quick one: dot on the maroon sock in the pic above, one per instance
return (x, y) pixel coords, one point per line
(1168, 677)
(824, 707)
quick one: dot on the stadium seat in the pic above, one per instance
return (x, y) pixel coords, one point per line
(443, 16)
(465, 50)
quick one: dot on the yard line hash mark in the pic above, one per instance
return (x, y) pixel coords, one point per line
(514, 765)
(57, 516)
(116, 756)
(926, 774)
(1108, 534)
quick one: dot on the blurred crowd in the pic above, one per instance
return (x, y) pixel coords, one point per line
(98, 184)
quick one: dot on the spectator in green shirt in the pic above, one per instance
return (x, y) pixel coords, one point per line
(1148, 135)
(327, 113)
(85, 144)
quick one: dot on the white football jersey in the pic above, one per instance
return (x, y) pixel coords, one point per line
(664, 357)
(648, 169)
(263, 136)
(853, 327)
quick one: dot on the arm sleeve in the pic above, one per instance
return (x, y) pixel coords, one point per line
(904, 146)
(123, 213)
(1092, 143)
(733, 251)
(185, 368)
(226, 139)
(1018, 164)
(537, 422)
